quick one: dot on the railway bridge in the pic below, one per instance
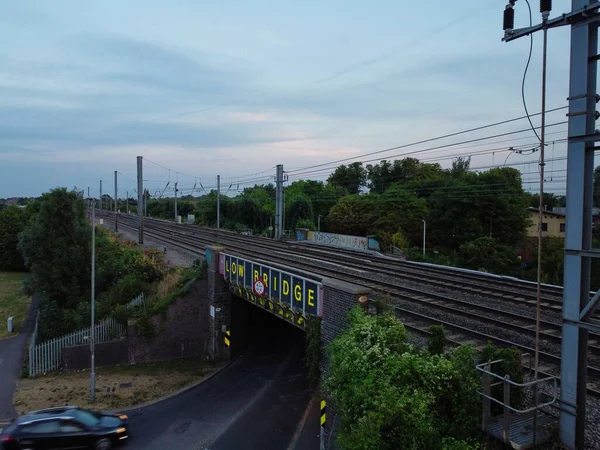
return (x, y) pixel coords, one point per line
(237, 284)
(255, 281)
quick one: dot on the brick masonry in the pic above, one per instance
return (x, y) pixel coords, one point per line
(219, 298)
(109, 353)
(338, 299)
(184, 333)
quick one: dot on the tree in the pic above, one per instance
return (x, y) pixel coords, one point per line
(400, 209)
(353, 214)
(550, 200)
(12, 222)
(300, 209)
(351, 177)
(485, 253)
(392, 397)
(56, 247)
(460, 166)
(468, 207)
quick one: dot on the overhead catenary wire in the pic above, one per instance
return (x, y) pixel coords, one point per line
(425, 141)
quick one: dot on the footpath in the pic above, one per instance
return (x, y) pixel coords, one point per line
(11, 360)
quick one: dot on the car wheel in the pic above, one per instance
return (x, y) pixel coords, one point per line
(103, 444)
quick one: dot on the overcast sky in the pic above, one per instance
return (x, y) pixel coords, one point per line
(236, 87)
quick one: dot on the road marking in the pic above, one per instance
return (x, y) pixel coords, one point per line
(300, 426)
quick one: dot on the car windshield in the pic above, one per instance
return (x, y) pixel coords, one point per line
(87, 417)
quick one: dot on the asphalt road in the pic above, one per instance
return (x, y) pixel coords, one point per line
(11, 356)
(258, 402)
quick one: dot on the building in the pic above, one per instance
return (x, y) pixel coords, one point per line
(554, 222)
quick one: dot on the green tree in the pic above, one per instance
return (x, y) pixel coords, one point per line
(300, 209)
(460, 166)
(56, 247)
(393, 397)
(550, 200)
(12, 222)
(486, 253)
(353, 214)
(351, 177)
(401, 209)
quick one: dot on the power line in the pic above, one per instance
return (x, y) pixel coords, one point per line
(431, 148)
(412, 144)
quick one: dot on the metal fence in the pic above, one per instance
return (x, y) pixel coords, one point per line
(46, 356)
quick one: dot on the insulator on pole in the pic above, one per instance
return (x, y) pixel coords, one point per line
(545, 6)
(509, 18)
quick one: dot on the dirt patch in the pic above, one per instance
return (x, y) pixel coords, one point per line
(116, 387)
(12, 301)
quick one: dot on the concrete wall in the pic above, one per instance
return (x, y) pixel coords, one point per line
(184, 333)
(109, 353)
(338, 240)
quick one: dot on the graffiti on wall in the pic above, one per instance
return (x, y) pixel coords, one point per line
(341, 240)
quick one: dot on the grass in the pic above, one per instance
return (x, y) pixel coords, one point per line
(12, 301)
(133, 385)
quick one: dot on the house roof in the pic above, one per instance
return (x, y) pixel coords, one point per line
(550, 213)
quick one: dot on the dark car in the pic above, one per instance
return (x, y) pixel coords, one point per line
(65, 427)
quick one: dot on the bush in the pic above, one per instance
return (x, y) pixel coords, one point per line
(391, 396)
(437, 340)
(511, 366)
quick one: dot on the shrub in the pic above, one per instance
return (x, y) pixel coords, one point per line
(437, 341)
(391, 396)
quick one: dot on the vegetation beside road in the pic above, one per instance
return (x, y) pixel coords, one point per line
(392, 395)
(133, 385)
(56, 246)
(12, 301)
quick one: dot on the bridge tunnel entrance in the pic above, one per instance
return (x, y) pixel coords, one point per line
(253, 327)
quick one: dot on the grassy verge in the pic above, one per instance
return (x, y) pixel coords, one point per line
(12, 300)
(132, 385)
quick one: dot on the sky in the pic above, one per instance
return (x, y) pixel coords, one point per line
(233, 88)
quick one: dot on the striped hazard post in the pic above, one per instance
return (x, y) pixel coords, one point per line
(227, 336)
(323, 406)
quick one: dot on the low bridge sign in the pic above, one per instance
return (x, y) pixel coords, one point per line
(290, 296)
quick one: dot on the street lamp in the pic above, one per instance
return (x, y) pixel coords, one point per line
(424, 234)
(92, 334)
(487, 217)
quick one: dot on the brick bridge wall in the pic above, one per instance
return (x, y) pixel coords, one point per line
(185, 332)
(109, 353)
(338, 299)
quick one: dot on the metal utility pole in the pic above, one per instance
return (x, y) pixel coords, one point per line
(93, 306)
(140, 205)
(218, 202)
(424, 234)
(577, 306)
(279, 201)
(127, 203)
(116, 205)
(175, 202)
(100, 195)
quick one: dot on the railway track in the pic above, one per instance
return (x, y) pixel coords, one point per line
(464, 321)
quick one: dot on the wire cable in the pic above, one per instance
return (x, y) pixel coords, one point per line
(525, 73)
(412, 144)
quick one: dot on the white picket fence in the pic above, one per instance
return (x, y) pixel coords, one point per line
(46, 356)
